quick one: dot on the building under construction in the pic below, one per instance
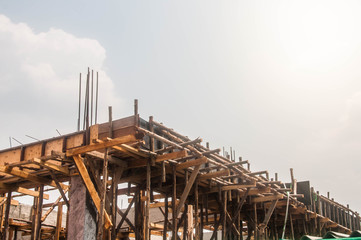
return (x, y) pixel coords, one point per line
(177, 188)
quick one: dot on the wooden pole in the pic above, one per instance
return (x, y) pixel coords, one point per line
(196, 224)
(201, 222)
(117, 172)
(165, 226)
(255, 221)
(33, 216)
(147, 202)
(103, 197)
(58, 221)
(224, 212)
(292, 230)
(40, 211)
(174, 207)
(7, 212)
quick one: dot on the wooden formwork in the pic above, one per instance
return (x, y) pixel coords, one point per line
(193, 187)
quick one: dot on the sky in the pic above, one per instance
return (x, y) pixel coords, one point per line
(278, 81)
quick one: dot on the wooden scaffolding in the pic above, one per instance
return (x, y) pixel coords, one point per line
(194, 188)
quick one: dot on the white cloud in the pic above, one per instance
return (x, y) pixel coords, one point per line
(39, 79)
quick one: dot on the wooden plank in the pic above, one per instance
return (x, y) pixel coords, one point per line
(52, 166)
(237, 186)
(134, 150)
(172, 155)
(161, 204)
(30, 192)
(30, 177)
(124, 151)
(267, 198)
(102, 145)
(91, 189)
(191, 163)
(22, 190)
(213, 174)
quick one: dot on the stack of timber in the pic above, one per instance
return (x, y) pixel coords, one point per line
(192, 186)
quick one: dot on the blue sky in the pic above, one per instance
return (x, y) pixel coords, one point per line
(278, 81)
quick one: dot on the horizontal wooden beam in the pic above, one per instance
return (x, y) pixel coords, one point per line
(52, 166)
(22, 190)
(101, 145)
(213, 174)
(237, 186)
(267, 198)
(160, 204)
(172, 155)
(30, 177)
(30, 192)
(191, 163)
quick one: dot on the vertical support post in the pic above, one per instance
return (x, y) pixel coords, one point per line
(11, 233)
(136, 116)
(190, 222)
(165, 227)
(110, 111)
(196, 224)
(292, 230)
(103, 197)
(185, 222)
(174, 207)
(294, 182)
(215, 232)
(58, 221)
(117, 172)
(39, 212)
(224, 212)
(33, 216)
(138, 215)
(201, 222)
(2, 213)
(238, 220)
(147, 202)
(7, 213)
(255, 221)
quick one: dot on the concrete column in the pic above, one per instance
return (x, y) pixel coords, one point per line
(82, 214)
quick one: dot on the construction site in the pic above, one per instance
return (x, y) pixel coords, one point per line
(175, 188)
